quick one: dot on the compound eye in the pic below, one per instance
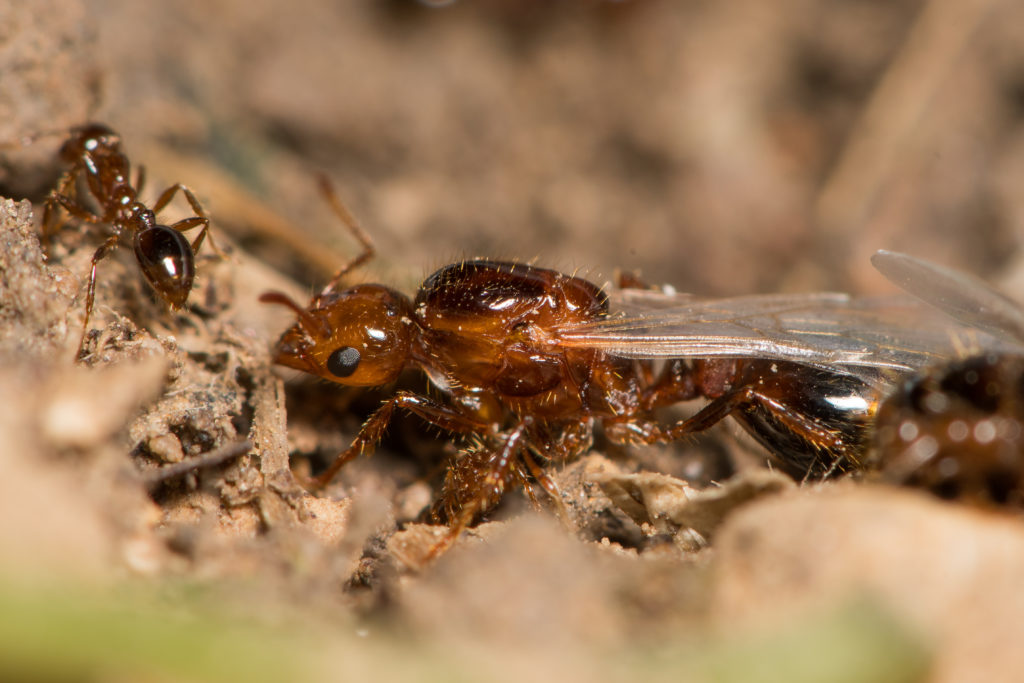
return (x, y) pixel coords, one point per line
(343, 361)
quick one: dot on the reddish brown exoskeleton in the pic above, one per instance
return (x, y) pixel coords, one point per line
(167, 260)
(957, 429)
(530, 359)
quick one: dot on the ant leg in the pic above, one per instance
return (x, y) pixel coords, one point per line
(500, 466)
(549, 485)
(187, 224)
(49, 210)
(673, 384)
(62, 195)
(812, 432)
(168, 194)
(349, 221)
(520, 474)
(165, 198)
(372, 430)
(71, 208)
(75, 209)
(140, 179)
(492, 488)
(90, 293)
(465, 483)
(67, 178)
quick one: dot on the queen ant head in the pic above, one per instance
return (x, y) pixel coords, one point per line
(361, 336)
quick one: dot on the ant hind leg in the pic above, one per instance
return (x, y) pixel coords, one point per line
(825, 443)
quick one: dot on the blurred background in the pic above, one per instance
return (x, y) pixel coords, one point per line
(720, 147)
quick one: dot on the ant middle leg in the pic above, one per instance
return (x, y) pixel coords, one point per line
(676, 382)
(61, 197)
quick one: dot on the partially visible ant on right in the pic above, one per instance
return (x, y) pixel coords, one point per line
(95, 160)
(957, 429)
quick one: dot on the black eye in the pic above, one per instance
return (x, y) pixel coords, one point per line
(343, 362)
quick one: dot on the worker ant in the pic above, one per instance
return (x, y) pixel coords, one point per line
(95, 160)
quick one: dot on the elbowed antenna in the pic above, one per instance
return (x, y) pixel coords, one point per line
(311, 325)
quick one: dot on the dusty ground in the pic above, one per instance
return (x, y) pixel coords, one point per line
(723, 149)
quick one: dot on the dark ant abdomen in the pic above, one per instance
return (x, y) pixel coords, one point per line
(814, 422)
(166, 260)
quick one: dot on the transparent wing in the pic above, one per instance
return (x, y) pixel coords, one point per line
(872, 338)
(962, 296)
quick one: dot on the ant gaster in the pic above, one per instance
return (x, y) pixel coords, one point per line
(166, 259)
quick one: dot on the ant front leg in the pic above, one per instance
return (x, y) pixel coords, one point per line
(71, 207)
(437, 414)
(189, 223)
(50, 225)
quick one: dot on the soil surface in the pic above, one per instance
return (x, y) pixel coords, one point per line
(154, 523)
